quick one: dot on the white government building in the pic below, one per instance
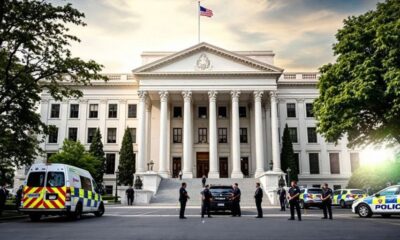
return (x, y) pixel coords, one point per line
(206, 111)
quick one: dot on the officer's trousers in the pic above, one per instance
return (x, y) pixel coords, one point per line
(236, 209)
(130, 200)
(205, 208)
(259, 209)
(282, 202)
(327, 209)
(182, 211)
(295, 204)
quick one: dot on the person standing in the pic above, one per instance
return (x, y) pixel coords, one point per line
(3, 198)
(206, 197)
(282, 198)
(294, 196)
(130, 195)
(204, 180)
(327, 195)
(180, 174)
(18, 197)
(183, 198)
(258, 195)
(236, 201)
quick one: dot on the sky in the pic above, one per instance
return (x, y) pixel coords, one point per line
(300, 32)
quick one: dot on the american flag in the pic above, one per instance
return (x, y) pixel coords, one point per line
(205, 12)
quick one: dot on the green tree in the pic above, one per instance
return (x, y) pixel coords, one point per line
(6, 174)
(35, 57)
(360, 92)
(74, 154)
(96, 149)
(287, 155)
(126, 166)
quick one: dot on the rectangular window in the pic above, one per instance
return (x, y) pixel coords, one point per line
(242, 112)
(73, 134)
(74, 111)
(202, 112)
(86, 183)
(110, 163)
(354, 161)
(222, 112)
(93, 110)
(53, 134)
(222, 135)
(55, 179)
(177, 135)
(133, 134)
(112, 110)
(309, 110)
(293, 134)
(132, 111)
(243, 135)
(334, 162)
(177, 112)
(202, 135)
(291, 110)
(55, 111)
(297, 161)
(36, 179)
(111, 135)
(91, 132)
(314, 163)
(312, 135)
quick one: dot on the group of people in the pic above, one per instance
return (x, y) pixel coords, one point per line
(293, 197)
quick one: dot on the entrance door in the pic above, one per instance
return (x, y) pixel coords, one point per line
(203, 164)
(176, 166)
(223, 167)
(244, 162)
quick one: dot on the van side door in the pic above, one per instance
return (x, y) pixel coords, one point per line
(87, 193)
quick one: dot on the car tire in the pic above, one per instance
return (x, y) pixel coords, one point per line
(100, 211)
(35, 217)
(342, 204)
(385, 215)
(77, 215)
(364, 211)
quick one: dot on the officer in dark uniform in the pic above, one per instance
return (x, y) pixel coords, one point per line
(294, 193)
(258, 195)
(206, 197)
(282, 198)
(183, 198)
(236, 201)
(327, 195)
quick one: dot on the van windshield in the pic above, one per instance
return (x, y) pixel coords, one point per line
(36, 179)
(55, 179)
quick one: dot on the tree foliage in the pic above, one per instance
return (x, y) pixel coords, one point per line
(35, 56)
(126, 166)
(74, 154)
(96, 149)
(360, 92)
(287, 155)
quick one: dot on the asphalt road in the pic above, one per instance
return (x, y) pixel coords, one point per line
(163, 223)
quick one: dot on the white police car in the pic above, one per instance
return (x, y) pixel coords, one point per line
(386, 202)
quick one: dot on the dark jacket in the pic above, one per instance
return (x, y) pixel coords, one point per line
(207, 196)
(130, 192)
(3, 196)
(236, 195)
(258, 195)
(183, 196)
(293, 191)
(282, 193)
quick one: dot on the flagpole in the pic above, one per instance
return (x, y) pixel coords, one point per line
(198, 27)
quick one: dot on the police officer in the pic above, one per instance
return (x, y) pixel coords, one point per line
(236, 201)
(294, 193)
(282, 198)
(130, 195)
(258, 195)
(327, 195)
(183, 198)
(206, 197)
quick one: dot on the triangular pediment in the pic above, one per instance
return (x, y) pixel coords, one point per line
(205, 58)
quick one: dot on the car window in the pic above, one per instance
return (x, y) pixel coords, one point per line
(36, 179)
(86, 183)
(337, 192)
(344, 192)
(389, 191)
(315, 191)
(302, 190)
(221, 190)
(357, 192)
(55, 179)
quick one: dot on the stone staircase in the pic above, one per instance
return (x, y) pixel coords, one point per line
(168, 191)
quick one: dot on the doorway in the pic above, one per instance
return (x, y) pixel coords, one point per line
(203, 164)
(223, 167)
(176, 166)
(244, 164)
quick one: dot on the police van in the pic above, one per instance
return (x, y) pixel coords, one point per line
(60, 189)
(386, 202)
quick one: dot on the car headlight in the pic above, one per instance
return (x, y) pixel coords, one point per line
(357, 201)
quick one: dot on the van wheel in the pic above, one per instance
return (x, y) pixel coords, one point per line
(35, 217)
(78, 212)
(342, 204)
(364, 211)
(100, 211)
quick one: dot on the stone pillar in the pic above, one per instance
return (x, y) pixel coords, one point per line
(163, 168)
(141, 140)
(275, 134)
(187, 135)
(259, 133)
(148, 126)
(236, 170)
(214, 172)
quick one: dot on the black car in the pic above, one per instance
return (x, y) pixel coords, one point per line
(221, 200)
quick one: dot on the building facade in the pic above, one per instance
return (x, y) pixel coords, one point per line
(205, 111)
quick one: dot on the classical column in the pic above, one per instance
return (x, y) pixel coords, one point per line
(148, 139)
(236, 171)
(163, 170)
(214, 172)
(275, 134)
(141, 132)
(187, 135)
(259, 133)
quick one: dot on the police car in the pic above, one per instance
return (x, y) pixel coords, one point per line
(386, 202)
(346, 197)
(310, 197)
(60, 189)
